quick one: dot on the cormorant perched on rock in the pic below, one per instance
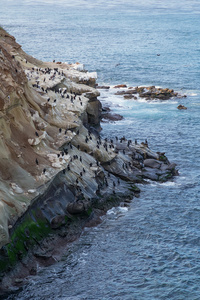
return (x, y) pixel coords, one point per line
(83, 170)
(36, 161)
(80, 159)
(90, 164)
(135, 142)
(60, 130)
(54, 101)
(36, 134)
(58, 155)
(44, 170)
(63, 171)
(77, 180)
(68, 168)
(77, 132)
(118, 181)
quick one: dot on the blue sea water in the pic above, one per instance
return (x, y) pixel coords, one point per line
(152, 249)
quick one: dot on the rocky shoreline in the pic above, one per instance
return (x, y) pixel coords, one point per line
(57, 174)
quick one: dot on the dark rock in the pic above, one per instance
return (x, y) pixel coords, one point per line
(120, 86)
(111, 117)
(104, 87)
(181, 107)
(152, 163)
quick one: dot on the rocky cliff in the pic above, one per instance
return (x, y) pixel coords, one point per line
(53, 163)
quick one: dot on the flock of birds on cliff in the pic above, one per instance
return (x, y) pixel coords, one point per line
(41, 76)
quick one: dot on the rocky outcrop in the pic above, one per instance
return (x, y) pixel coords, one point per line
(149, 93)
(54, 166)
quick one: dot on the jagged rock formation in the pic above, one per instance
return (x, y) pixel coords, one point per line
(53, 163)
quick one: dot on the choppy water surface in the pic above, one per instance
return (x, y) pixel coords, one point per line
(152, 249)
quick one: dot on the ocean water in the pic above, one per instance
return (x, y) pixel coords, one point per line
(152, 249)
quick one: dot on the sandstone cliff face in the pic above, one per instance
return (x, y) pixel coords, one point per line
(34, 124)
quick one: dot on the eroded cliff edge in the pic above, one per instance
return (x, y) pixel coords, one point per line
(54, 166)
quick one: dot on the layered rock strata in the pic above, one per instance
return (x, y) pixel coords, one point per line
(54, 166)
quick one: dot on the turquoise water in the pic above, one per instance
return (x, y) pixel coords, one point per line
(151, 250)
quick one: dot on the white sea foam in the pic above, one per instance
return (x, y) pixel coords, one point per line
(117, 210)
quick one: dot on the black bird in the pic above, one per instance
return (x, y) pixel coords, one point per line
(77, 180)
(44, 170)
(135, 142)
(90, 164)
(60, 130)
(114, 184)
(83, 170)
(81, 174)
(80, 159)
(54, 101)
(68, 168)
(63, 171)
(48, 99)
(58, 155)
(118, 181)
(37, 162)
(36, 133)
(78, 147)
